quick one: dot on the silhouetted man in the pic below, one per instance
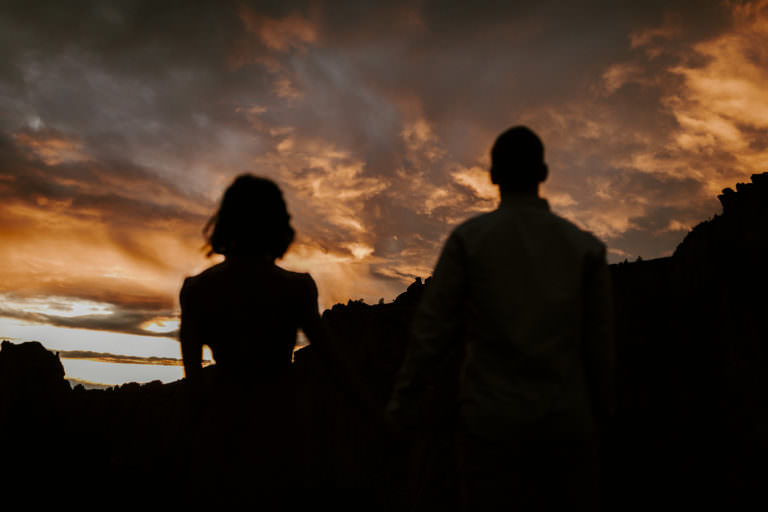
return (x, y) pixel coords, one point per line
(525, 295)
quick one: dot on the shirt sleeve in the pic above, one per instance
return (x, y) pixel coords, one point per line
(436, 333)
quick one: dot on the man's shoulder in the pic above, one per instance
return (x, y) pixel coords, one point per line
(476, 222)
(579, 234)
(491, 220)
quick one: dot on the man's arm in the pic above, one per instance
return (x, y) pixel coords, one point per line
(599, 343)
(436, 333)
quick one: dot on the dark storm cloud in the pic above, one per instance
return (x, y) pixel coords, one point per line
(151, 81)
(127, 320)
(473, 68)
(142, 35)
(471, 72)
(122, 192)
(479, 66)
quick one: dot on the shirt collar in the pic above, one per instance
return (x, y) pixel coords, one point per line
(524, 202)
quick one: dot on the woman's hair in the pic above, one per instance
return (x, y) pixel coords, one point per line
(252, 217)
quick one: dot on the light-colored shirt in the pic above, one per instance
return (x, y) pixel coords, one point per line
(526, 295)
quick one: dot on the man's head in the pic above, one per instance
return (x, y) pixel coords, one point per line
(517, 160)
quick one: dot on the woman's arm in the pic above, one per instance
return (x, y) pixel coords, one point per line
(190, 335)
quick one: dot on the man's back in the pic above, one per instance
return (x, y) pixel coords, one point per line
(524, 296)
(525, 292)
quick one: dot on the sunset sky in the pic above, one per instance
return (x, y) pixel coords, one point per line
(121, 123)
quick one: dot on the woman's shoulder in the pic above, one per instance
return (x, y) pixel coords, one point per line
(220, 278)
(202, 280)
(297, 277)
(301, 280)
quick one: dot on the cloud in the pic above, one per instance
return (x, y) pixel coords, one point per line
(722, 107)
(118, 358)
(51, 148)
(89, 230)
(105, 357)
(78, 313)
(123, 123)
(293, 31)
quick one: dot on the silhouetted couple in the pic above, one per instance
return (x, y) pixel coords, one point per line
(523, 294)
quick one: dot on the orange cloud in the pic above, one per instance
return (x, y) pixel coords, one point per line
(285, 89)
(654, 39)
(281, 34)
(479, 180)
(420, 139)
(50, 147)
(331, 181)
(720, 105)
(340, 277)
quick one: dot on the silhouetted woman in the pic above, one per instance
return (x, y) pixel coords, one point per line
(248, 311)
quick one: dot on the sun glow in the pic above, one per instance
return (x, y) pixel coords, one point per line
(161, 325)
(65, 307)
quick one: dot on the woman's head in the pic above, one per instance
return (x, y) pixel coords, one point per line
(252, 218)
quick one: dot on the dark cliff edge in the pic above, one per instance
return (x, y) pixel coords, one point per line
(691, 425)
